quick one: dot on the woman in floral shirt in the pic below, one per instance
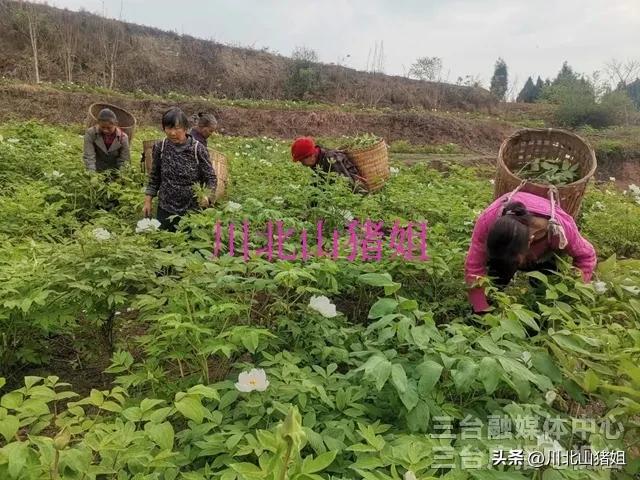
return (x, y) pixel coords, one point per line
(179, 163)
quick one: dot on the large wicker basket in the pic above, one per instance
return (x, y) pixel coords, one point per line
(218, 160)
(372, 164)
(126, 121)
(531, 143)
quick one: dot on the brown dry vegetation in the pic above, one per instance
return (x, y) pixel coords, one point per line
(156, 61)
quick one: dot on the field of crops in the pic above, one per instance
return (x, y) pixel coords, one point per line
(353, 368)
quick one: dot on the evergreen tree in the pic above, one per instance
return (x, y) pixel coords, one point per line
(499, 81)
(566, 74)
(528, 93)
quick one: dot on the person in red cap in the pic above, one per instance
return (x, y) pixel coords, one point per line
(305, 151)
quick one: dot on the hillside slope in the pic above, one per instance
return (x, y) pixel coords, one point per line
(82, 47)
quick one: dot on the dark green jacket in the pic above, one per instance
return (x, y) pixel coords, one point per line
(96, 156)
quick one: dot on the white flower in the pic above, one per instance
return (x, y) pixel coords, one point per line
(147, 224)
(295, 187)
(129, 309)
(394, 170)
(599, 205)
(624, 192)
(635, 190)
(233, 206)
(56, 174)
(323, 305)
(409, 475)
(277, 200)
(255, 379)
(612, 179)
(118, 313)
(13, 140)
(101, 234)
(492, 181)
(266, 162)
(550, 396)
(526, 358)
(600, 287)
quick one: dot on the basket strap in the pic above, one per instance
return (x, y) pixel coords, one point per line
(507, 199)
(555, 228)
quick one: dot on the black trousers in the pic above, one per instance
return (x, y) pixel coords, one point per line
(166, 223)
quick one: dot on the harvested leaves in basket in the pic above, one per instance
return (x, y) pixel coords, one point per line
(548, 171)
(359, 142)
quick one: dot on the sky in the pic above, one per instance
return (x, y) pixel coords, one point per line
(533, 37)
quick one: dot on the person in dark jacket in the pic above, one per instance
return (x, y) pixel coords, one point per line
(179, 163)
(305, 151)
(106, 147)
(205, 125)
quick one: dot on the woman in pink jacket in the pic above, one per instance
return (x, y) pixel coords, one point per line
(522, 231)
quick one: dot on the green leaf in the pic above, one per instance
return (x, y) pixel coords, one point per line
(591, 381)
(161, 433)
(399, 378)
(206, 392)
(410, 397)
(2, 382)
(376, 279)
(489, 374)
(382, 307)
(17, 454)
(96, 397)
(319, 463)
(464, 375)
(430, 372)
(228, 398)
(381, 373)
(543, 362)
(12, 400)
(111, 407)
(8, 427)
(526, 317)
(191, 408)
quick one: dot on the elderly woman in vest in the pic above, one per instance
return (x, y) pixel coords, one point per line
(106, 147)
(179, 163)
(205, 125)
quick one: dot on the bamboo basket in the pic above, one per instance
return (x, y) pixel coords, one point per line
(126, 121)
(372, 164)
(218, 160)
(531, 143)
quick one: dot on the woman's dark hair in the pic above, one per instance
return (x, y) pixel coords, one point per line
(508, 238)
(206, 120)
(107, 115)
(175, 118)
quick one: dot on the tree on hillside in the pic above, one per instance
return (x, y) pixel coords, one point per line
(304, 73)
(622, 73)
(426, 68)
(566, 74)
(539, 87)
(529, 92)
(500, 80)
(67, 36)
(29, 23)
(111, 35)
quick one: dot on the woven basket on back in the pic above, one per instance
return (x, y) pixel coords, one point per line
(218, 160)
(126, 121)
(372, 164)
(531, 143)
